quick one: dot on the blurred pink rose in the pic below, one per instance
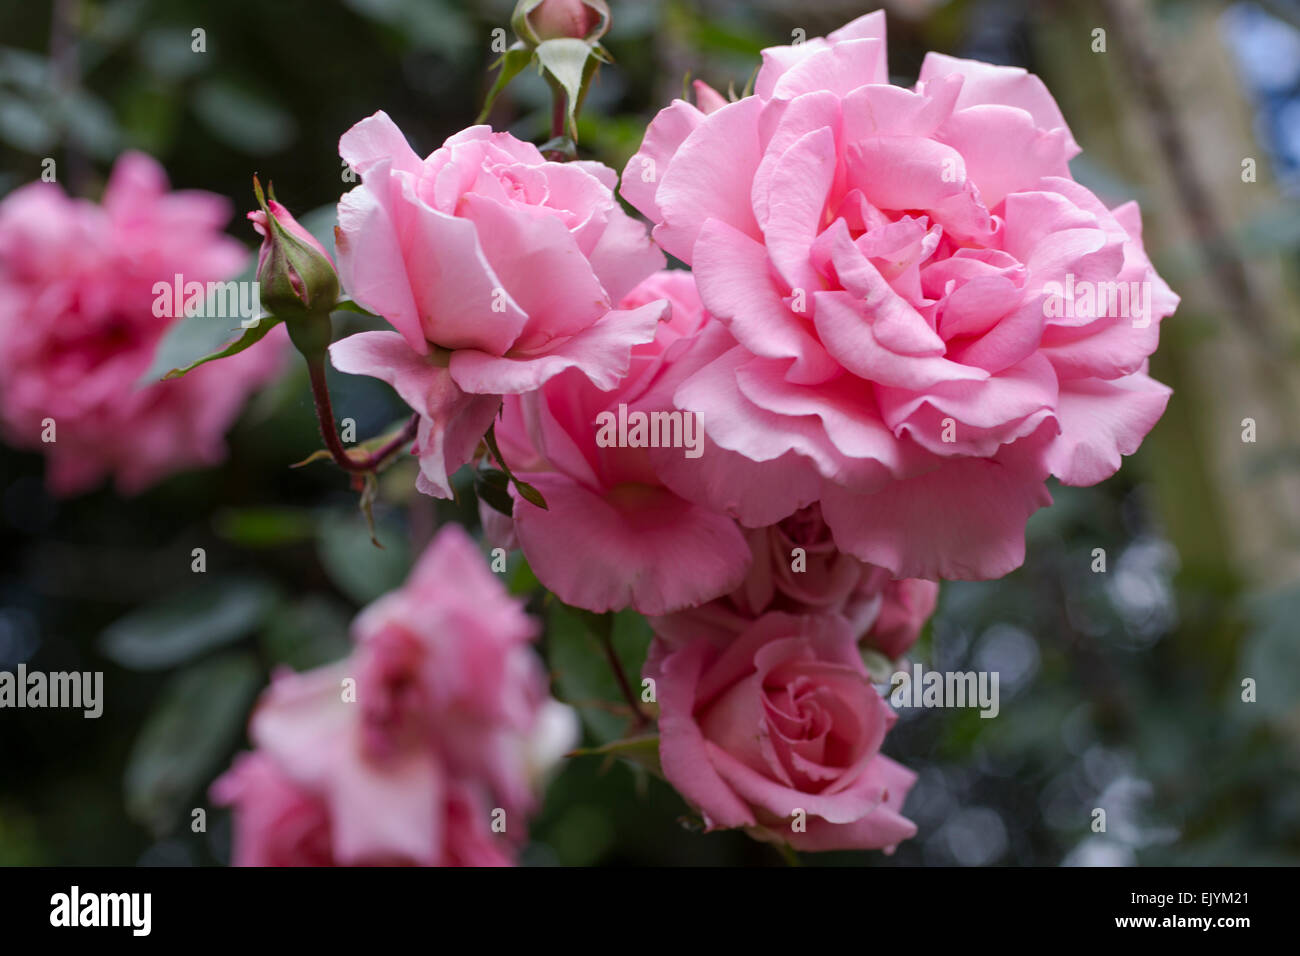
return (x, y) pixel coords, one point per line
(613, 535)
(278, 823)
(77, 318)
(499, 270)
(904, 275)
(437, 723)
(779, 730)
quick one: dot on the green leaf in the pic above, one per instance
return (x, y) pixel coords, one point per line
(582, 672)
(521, 580)
(252, 335)
(310, 632)
(185, 625)
(519, 19)
(642, 751)
(270, 527)
(244, 118)
(1271, 656)
(565, 62)
(24, 126)
(512, 63)
(193, 727)
(530, 494)
(526, 491)
(493, 488)
(345, 304)
(597, 57)
(355, 566)
(437, 25)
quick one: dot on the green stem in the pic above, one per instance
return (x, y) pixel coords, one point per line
(605, 631)
(788, 854)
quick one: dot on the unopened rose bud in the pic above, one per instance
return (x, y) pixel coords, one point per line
(707, 99)
(537, 21)
(295, 275)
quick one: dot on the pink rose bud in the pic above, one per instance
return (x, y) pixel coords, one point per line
(295, 274)
(906, 605)
(707, 99)
(557, 19)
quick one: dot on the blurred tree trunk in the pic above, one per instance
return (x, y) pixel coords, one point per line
(1231, 508)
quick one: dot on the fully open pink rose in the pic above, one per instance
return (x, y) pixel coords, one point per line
(500, 270)
(80, 323)
(927, 315)
(439, 718)
(779, 730)
(613, 534)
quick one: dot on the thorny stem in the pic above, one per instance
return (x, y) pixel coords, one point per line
(325, 418)
(605, 629)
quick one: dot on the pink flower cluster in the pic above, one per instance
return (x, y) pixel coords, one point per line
(860, 388)
(765, 704)
(902, 316)
(77, 318)
(423, 748)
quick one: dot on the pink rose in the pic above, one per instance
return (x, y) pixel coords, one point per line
(79, 325)
(905, 607)
(779, 731)
(613, 534)
(276, 822)
(280, 824)
(439, 720)
(797, 569)
(499, 270)
(899, 272)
